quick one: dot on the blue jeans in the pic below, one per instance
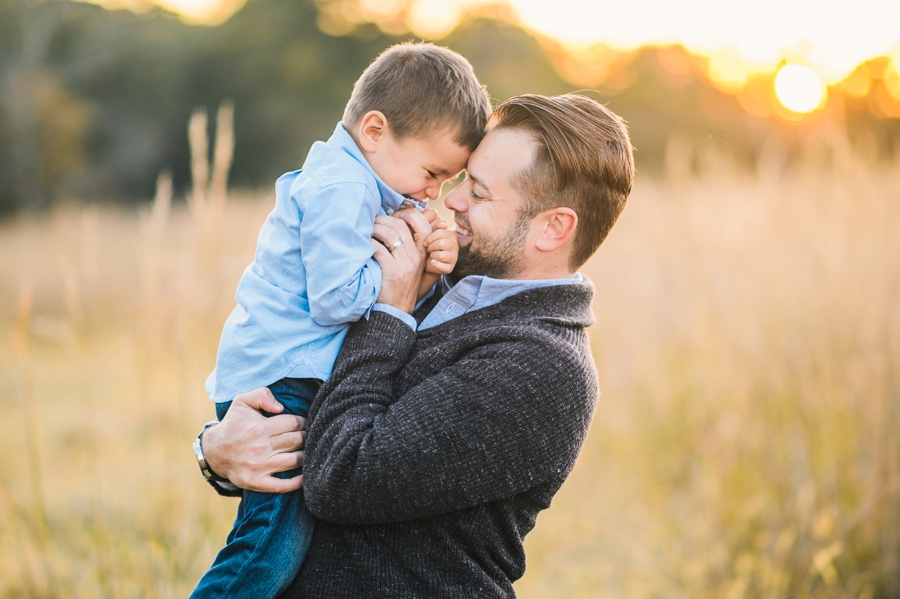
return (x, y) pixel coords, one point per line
(271, 534)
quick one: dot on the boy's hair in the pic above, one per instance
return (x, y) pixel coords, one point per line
(583, 161)
(421, 89)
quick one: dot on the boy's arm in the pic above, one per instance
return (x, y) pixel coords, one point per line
(342, 278)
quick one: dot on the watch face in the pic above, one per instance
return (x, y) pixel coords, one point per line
(205, 470)
(201, 459)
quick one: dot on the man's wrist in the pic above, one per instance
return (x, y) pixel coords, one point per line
(397, 313)
(208, 474)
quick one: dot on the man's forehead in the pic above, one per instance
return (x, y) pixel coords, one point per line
(500, 155)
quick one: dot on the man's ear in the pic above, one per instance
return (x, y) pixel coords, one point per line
(556, 227)
(372, 128)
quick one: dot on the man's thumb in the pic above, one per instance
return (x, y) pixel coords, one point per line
(260, 400)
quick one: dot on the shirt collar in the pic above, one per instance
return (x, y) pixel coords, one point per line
(390, 199)
(476, 292)
(477, 285)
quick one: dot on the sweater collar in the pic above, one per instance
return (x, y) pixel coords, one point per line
(477, 291)
(566, 304)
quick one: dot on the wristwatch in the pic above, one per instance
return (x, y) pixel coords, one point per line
(207, 472)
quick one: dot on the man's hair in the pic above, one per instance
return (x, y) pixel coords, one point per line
(583, 161)
(422, 89)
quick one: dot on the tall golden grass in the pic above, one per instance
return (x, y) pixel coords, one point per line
(747, 344)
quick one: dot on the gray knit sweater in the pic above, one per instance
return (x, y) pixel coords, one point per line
(430, 454)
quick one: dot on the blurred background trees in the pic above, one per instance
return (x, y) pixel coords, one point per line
(95, 101)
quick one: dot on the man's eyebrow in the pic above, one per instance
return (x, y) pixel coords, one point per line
(478, 182)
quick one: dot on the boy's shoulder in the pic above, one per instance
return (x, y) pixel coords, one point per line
(327, 165)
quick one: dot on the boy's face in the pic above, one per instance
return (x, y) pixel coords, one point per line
(417, 167)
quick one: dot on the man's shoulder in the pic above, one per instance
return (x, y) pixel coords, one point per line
(544, 325)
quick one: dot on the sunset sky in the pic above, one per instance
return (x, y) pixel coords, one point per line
(833, 36)
(830, 36)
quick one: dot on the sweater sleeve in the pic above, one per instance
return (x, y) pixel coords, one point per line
(505, 417)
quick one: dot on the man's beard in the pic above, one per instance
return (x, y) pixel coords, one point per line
(498, 257)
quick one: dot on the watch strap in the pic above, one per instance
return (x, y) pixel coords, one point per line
(205, 470)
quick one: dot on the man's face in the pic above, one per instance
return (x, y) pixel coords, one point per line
(492, 234)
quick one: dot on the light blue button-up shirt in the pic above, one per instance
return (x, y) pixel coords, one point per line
(473, 293)
(312, 275)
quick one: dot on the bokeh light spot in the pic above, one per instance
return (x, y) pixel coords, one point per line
(727, 70)
(799, 88)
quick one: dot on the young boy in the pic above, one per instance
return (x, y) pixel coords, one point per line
(413, 118)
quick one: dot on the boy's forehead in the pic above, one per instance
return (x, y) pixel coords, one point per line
(440, 154)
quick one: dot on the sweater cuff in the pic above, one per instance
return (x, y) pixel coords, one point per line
(397, 313)
(383, 334)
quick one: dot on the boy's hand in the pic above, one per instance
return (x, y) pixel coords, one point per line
(443, 251)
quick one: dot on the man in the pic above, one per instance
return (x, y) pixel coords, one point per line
(443, 431)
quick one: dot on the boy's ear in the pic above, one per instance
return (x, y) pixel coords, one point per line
(372, 128)
(556, 227)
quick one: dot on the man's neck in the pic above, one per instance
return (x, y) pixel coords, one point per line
(545, 269)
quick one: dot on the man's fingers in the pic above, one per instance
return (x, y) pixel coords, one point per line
(386, 234)
(283, 462)
(431, 215)
(420, 227)
(291, 441)
(381, 252)
(286, 423)
(397, 213)
(402, 228)
(260, 399)
(270, 484)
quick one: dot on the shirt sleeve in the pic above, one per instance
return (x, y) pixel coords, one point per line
(483, 429)
(342, 278)
(398, 313)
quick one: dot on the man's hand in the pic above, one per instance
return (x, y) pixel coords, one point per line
(430, 214)
(400, 251)
(247, 448)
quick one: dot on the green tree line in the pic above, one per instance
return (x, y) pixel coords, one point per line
(94, 103)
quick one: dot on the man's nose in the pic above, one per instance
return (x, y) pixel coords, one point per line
(455, 200)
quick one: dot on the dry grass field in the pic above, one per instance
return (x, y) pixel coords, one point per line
(745, 444)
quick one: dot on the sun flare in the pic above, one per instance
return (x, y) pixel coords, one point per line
(799, 88)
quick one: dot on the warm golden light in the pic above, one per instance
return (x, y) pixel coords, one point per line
(727, 70)
(799, 88)
(434, 18)
(831, 39)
